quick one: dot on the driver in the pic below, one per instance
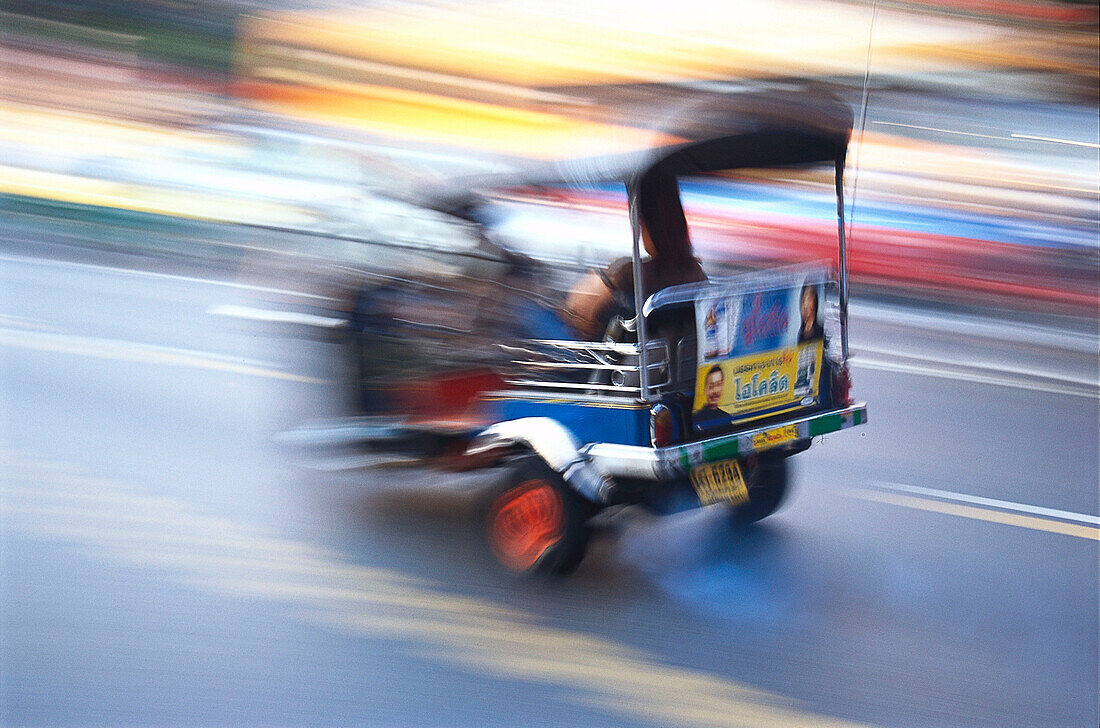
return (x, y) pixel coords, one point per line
(665, 237)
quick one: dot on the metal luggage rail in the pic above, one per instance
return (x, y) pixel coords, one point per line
(598, 368)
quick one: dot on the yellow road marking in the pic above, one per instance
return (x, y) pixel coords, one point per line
(469, 633)
(979, 514)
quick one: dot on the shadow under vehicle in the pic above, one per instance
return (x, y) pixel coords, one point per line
(698, 393)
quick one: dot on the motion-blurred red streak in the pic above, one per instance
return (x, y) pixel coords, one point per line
(1017, 9)
(894, 257)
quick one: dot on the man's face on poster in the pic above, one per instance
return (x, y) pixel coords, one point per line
(712, 389)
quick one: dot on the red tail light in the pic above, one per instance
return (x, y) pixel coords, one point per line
(660, 426)
(842, 386)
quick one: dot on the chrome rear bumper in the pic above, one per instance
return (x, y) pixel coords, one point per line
(647, 463)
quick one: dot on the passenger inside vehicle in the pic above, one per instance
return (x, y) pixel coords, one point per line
(601, 295)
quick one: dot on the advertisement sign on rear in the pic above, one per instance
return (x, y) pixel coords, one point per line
(759, 352)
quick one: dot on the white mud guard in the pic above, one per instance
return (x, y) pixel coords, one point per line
(555, 444)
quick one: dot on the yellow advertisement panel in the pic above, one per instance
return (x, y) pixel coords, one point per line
(761, 384)
(760, 348)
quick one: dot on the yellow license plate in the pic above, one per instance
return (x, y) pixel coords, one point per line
(720, 483)
(775, 436)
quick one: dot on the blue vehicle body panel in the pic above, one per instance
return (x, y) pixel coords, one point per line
(622, 423)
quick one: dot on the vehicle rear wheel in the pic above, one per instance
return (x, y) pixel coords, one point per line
(535, 523)
(767, 485)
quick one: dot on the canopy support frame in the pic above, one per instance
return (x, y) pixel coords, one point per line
(843, 258)
(632, 185)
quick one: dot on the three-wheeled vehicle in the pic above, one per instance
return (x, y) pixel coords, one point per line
(700, 391)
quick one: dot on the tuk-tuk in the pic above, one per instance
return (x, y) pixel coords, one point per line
(699, 392)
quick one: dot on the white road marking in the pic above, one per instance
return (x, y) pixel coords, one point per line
(144, 353)
(977, 366)
(988, 515)
(294, 318)
(973, 326)
(95, 344)
(992, 502)
(164, 276)
(942, 131)
(1013, 135)
(1071, 142)
(930, 370)
(25, 323)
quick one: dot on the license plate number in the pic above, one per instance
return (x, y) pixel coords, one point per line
(720, 483)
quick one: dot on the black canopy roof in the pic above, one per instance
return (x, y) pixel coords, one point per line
(751, 130)
(727, 132)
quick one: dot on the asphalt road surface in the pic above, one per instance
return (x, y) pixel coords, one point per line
(164, 560)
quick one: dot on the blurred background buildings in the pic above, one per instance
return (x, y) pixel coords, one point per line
(189, 534)
(973, 173)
